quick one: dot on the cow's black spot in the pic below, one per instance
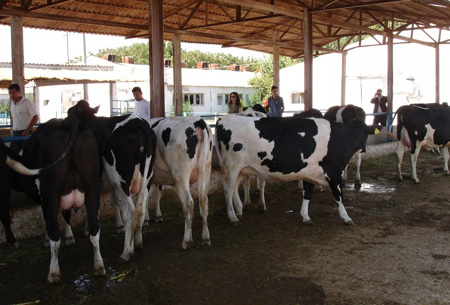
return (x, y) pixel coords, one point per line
(156, 123)
(166, 135)
(237, 147)
(293, 139)
(262, 155)
(223, 136)
(191, 141)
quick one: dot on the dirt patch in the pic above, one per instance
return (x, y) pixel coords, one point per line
(398, 252)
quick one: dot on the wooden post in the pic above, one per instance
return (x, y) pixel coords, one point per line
(157, 58)
(390, 72)
(18, 71)
(343, 77)
(308, 63)
(437, 73)
(177, 81)
(276, 60)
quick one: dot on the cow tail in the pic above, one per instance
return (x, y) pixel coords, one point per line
(12, 160)
(149, 150)
(204, 161)
(74, 127)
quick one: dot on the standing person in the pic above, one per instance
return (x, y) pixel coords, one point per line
(141, 105)
(276, 104)
(234, 106)
(380, 105)
(23, 116)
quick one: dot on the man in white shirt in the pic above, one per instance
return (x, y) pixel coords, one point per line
(23, 116)
(141, 105)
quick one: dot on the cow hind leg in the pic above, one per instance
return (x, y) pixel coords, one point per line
(68, 234)
(262, 199)
(246, 185)
(5, 218)
(414, 158)
(94, 231)
(358, 171)
(336, 189)
(117, 215)
(399, 156)
(188, 210)
(157, 197)
(230, 185)
(203, 198)
(446, 157)
(307, 195)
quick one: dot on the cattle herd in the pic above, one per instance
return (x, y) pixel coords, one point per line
(63, 161)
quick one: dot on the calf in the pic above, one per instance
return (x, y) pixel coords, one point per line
(419, 127)
(288, 149)
(183, 156)
(126, 145)
(346, 114)
(9, 160)
(68, 151)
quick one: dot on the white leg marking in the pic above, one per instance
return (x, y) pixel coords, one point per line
(54, 274)
(99, 268)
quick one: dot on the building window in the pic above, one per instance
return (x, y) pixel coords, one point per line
(194, 98)
(297, 97)
(223, 99)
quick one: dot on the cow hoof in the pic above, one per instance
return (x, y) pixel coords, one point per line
(308, 222)
(416, 181)
(54, 278)
(240, 217)
(349, 222)
(125, 257)
(99, 271)
(159, 219)
(120, 230)
(357, 185)
(146, 223)
(70, 241)
(399, 178)
(446, 173)
(186, 245)
(13, 246)
(262, 210)
(206, 242)
(235, 223)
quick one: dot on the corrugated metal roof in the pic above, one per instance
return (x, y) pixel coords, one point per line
(257, 25)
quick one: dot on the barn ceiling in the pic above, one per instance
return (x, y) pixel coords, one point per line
(252, 24)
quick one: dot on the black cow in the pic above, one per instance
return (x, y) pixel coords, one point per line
(9, 160)
(288, 149)
(419, 127)
(126, 145)
(346, 114)
(68, 152)
(310, 113)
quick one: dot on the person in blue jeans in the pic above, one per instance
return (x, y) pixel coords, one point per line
(276, 104)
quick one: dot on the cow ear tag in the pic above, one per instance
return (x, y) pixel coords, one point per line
(376, 131)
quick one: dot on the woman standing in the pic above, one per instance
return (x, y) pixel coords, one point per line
(234, 106)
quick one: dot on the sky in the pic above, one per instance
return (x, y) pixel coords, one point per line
(45, 46)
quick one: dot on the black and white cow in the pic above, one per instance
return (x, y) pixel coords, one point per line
(183, 157)
(346, 114)
(419, 127)
(68, 152)
(126, 146)
(9, 160)
(288, 149)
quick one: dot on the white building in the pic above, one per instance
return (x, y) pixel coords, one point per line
(110, 85)
(366, 71)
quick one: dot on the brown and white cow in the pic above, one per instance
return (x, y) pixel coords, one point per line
(288, 149)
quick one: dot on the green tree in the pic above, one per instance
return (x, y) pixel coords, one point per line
(264, 80)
